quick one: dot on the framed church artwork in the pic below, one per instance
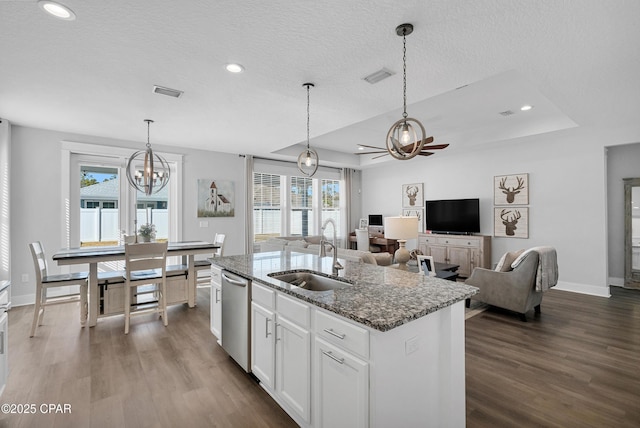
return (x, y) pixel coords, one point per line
(216, 198)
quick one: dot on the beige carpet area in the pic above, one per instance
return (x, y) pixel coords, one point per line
(475, 309)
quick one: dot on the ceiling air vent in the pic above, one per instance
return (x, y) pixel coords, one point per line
(166, 91)
(507, 112)
(378, 76)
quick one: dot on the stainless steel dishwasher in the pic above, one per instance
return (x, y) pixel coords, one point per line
(236, 298)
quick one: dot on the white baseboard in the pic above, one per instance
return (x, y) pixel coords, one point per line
(592, 290)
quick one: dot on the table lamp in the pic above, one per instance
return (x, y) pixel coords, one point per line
(401, 229)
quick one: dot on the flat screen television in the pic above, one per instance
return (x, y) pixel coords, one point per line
(453, 216)
(375, 220)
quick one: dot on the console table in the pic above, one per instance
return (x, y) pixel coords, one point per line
(386, 245)
(467, 251)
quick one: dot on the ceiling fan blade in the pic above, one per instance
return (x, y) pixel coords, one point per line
(428, 140)
(407, 148)
(435, 147)
(371, 147)
(370, 153)
(425, 153)
(376, 157)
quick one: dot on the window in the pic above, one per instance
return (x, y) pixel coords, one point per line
(285, 204)
(102, 205)
(330, 191)
(301, 219)
(266, 206)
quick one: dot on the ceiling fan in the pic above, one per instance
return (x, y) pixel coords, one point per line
(406, 148)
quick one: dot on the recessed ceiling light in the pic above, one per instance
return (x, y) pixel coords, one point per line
(57, 10)
(360, 148)
(234, 68)
(526, 107)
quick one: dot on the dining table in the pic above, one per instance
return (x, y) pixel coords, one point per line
(95, 255)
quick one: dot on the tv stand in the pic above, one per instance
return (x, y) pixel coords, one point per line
(467, 251)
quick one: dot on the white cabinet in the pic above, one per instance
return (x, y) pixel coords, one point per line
(281, 349)
(465, 251)
(341, 388)
(263, 344)
(293, 366)
(216, 303)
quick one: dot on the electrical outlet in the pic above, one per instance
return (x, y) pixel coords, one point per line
(25, 277)
(204, 223)
(411, 345)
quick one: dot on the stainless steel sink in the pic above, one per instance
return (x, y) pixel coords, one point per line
(310, 280)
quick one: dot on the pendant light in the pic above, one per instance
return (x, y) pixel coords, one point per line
(154, 174)
(308, 159)
(406, 137)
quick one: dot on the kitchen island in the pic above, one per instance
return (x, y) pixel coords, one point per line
(387, 350)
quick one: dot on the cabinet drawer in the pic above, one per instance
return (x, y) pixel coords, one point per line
(216, 275)
(264, 296)
(350, 337)
(459, 242)
(293, 310)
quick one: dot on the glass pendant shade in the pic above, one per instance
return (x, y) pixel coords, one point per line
(308, 162)
(147, 171)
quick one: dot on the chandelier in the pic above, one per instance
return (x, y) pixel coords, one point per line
(154, 174)
(403, 141)
(308, 159)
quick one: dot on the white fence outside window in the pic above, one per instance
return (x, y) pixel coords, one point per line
(101, 224)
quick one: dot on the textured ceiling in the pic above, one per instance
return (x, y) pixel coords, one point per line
(577, 61)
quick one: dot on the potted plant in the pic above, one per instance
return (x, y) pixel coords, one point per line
(147, 232)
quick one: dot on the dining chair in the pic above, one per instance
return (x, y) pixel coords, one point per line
(145, 265)
(363, 241)
(44, 282)
(426, 265)
(202, 267)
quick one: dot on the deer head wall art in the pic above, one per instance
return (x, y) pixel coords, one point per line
(412, 195)
(511, 189)
(512, 222)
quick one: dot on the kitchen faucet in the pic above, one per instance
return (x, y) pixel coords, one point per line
(336, 266)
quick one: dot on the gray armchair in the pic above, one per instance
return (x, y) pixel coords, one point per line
(514, 290)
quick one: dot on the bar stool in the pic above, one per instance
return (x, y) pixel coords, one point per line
(44, 282)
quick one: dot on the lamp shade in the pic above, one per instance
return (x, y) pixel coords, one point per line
(400, 227)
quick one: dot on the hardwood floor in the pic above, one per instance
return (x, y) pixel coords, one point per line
(153, 377)
(575, 365)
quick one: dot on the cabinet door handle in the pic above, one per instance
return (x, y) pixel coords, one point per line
(1, 342)
(334, 358)
(266, 327)
(217, 299)
(277, 338)
(333, 333)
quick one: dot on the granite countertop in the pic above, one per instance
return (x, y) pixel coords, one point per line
(381, 297)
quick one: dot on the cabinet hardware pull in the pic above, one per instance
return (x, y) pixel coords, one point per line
(217, 299)
(333, 333)
(330, 355)
(266, 327)
(277, 338)
(1, 342)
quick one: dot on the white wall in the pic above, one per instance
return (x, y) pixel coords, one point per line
(5, 225)
(622, 162)
(567, 196)
(36, 203)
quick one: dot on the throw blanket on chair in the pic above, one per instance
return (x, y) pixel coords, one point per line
(547, 274)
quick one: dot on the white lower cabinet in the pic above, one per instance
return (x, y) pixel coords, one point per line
(341, 388)
(281, 350)
(216, 303)
(293, 366)
(263, 363)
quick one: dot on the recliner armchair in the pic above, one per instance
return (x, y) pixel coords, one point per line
(514, 290)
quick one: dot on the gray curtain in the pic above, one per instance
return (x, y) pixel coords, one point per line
(248, 217)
